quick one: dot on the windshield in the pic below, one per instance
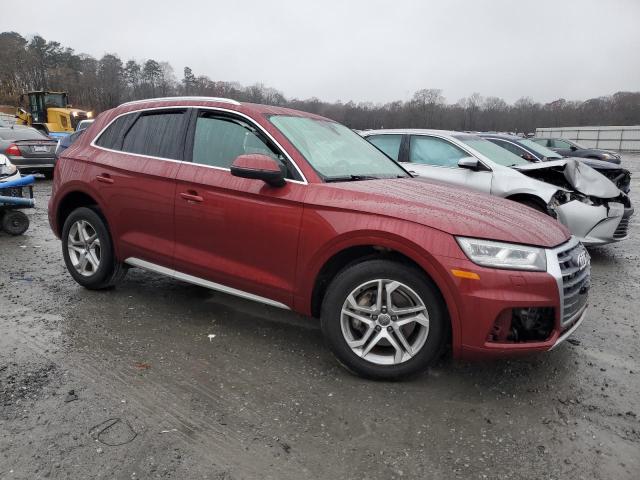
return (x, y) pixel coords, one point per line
(539, 149)
(336, 152)
(58, 100)
(492, 151)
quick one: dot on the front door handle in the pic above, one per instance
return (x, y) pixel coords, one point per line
(191, 196)
(104, 178)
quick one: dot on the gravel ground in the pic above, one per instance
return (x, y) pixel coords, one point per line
(129, 384)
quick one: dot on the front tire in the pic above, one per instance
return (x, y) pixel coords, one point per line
(88, 250)
(384, 320)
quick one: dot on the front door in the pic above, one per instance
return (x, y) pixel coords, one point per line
(237, 232)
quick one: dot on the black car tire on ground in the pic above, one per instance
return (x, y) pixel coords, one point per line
(109, 271)
(15, 222)
(370, 270)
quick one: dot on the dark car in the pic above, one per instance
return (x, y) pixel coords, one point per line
(66, 141)
(569, 148)
(28, 149)
(534, 152)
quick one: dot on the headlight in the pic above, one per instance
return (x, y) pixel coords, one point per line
(606, 155)
(89, 114)
(75, 114)
(503, 255)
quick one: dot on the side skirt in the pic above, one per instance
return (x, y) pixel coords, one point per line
(152, 267)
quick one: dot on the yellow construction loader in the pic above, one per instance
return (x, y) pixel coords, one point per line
(49, 112)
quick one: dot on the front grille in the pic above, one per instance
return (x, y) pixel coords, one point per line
(576, 280)
(623, 229)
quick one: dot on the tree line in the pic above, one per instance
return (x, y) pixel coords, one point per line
(100, 84)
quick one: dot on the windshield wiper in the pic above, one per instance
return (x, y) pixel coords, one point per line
(349, 178)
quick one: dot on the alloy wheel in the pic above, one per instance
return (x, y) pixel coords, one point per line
(384, 322)
(83, 245)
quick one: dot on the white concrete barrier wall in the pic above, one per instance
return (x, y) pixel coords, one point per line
(622, 139)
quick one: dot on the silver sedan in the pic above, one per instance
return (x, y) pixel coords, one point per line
(588, 203)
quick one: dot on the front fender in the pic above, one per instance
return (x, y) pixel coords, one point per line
(420, 244)
(509, 185)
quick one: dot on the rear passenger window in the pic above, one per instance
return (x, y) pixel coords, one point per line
(389, 144)
(157, 134)
(218, 140)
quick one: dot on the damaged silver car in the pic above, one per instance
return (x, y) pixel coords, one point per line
(581, 198)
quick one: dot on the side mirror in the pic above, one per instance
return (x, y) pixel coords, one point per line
(573, 148)
(470, 163)
(530, 158)
(259, 167)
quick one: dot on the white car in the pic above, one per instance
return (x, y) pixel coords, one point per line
(585, 201)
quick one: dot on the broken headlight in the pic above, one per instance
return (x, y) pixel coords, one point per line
(503, 255)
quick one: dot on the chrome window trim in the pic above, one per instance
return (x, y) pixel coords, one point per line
(185, 277)
(216, 109)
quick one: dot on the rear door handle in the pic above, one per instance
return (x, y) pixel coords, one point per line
(104, 178)
(191, 197)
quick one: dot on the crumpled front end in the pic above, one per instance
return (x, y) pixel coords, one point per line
(594, 221)
(588, 204)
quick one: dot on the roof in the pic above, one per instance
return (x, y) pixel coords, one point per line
(220, 102)
(505, 136)
(409, 131)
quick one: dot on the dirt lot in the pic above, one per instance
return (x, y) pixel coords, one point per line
(154, 396)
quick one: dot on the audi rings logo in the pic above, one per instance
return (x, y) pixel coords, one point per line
(581, 260)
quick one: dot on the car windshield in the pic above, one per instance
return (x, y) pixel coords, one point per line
(492, 151)
(539, 149)
(336, 152)
(22, 134)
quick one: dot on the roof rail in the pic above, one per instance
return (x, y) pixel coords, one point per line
(202, 99)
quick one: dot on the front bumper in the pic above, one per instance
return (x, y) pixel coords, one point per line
(482, 303)
(595, 224)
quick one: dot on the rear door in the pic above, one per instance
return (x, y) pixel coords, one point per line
(135, 172)
(236, 232)
(437, 158)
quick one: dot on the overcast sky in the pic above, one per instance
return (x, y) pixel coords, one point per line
(363, 50)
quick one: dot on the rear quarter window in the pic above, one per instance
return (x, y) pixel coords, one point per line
(111, 138)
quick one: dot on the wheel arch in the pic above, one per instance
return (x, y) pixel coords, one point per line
(400, 250)
(520, 197)
(69, 202)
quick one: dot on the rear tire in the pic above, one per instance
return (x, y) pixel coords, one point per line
(15, 222)
(87, 249)
(397, 337)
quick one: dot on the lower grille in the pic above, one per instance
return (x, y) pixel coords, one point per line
(623, 229)
(576, 280)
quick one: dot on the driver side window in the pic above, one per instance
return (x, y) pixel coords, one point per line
(434, 151)
(218, 140)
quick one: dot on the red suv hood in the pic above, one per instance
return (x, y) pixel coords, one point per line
(455, 210)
